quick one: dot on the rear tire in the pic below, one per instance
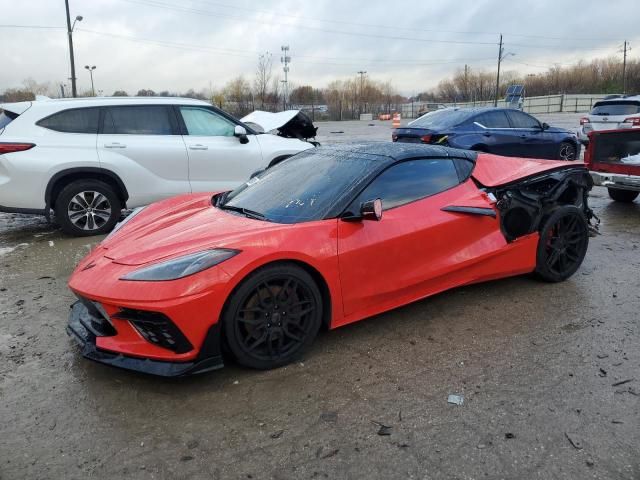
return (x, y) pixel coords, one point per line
(87, 207)
(564, 239)
(624, 196)
(272, 317)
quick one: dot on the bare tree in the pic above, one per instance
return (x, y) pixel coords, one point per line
(262, 78)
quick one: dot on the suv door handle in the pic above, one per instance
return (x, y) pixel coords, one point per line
(198, 146)
(115, 145)
(486, 134)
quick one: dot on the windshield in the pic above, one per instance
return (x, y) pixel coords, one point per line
(303, 188)
(616, 108)
(445, 118)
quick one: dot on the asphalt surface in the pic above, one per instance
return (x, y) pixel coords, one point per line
(535, 363)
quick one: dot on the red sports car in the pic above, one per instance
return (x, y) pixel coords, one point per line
(328, 237)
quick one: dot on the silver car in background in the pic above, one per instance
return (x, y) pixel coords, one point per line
(612, 113)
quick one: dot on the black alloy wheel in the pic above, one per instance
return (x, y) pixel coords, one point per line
(273, 316)
(563, 244)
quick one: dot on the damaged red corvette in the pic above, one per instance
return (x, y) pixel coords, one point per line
(325, 238)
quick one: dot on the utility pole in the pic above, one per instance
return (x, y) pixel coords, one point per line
(285, 59)
(466, 82)
(500, 50)
(362, 73)
(74, 92)
(624, 67)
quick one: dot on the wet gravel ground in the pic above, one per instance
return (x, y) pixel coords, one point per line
(536, 364)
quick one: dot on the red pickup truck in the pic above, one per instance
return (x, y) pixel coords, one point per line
(613, 158)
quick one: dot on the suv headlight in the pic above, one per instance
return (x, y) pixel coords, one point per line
(181, 266)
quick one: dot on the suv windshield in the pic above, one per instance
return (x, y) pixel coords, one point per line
(303, 188)
(616, 108)
(445, 118)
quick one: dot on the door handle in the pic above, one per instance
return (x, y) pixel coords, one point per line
(523, 136)
(115, 145)
(482, 211)
(486, 134)
(198, 146)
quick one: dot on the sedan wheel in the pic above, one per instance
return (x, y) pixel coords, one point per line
(273, 316)
(563, 244)
(567, 151)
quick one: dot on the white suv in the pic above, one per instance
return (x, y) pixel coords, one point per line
(87, 159)
(613, 113)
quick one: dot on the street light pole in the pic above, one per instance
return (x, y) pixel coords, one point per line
(495, 101)
(91, 69)
(74, 91)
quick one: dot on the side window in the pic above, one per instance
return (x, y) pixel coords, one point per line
(77, 120)
(138, 120)
(522, 120)
(205, 122)
(497, 119)
(410, 181)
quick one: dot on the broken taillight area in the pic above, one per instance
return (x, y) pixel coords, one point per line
(11, 147)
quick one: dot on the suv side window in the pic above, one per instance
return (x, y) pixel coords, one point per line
(522, 120)
(206, 122)
(76, 120)
(409, 181)
(497, 119)
(139, 120)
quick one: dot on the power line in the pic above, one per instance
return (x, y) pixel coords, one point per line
(251, 53)
(32, 26)
(369, 25)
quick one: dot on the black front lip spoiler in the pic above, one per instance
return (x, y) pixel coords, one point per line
(80, 319)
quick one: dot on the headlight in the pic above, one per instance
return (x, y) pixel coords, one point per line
(182, 266)
(119, 225)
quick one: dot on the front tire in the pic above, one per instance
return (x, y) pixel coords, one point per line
(87, 207)
(624, 196)
(564, 239)
(273, 316)
(567, 151)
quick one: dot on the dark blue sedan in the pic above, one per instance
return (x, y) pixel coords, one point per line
(501, 131)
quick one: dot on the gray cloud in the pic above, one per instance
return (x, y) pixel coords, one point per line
(175, 45)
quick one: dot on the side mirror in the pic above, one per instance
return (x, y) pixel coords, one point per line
(545, 126)
(371, 210)
(241, 133)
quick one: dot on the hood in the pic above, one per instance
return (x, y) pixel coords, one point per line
(494, 170)
(180, 226)
(289, 124)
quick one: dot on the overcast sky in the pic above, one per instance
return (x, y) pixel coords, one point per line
(179, 44)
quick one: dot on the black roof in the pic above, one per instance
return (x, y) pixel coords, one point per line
(396, 151)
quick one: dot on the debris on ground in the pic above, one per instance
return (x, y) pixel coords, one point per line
(455, 399)
(277, 434)
(573, 440)
(338, 131)
(384, 429)
(329, 416)
(603, 372)
(509, 436)
(622, 382)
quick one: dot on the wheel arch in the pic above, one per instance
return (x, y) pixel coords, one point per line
(317, 277)
(64, 177)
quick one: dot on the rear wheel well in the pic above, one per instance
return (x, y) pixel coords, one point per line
(61, 180)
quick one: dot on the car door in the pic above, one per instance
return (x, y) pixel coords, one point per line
(496, 132)
(536, 142)
(142, 144)
(218, 160)
(417, 246)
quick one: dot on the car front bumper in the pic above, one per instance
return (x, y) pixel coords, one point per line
(85, 327)
(616, 180)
